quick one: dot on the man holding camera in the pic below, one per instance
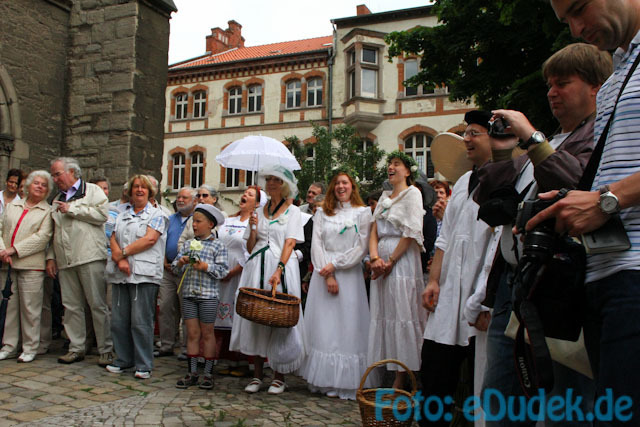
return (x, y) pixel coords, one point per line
(574, 74)
(612, 332)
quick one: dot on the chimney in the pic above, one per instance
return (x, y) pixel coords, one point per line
(221, 40)
(234, 32)
(362, 9)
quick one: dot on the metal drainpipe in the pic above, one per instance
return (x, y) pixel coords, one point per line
(330, 90)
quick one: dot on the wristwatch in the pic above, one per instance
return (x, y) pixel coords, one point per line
(124, 253)
(608, 202)
(536, 137)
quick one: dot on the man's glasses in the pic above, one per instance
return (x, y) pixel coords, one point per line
(473, 133)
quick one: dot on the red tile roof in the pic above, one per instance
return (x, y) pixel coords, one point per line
(257, 52)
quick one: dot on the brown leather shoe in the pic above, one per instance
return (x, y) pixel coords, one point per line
(71, 357)
(105, 359)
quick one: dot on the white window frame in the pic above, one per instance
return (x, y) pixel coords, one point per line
(197, 169)
(235, 100)
(425, 150)
(366, 93)
(199, 104)
(250, 178)
(255, 96)
(235, 178)
(314, 91)
(182, 103)
(375, 54)
(409, 89)
(294, 90)
(179, 160)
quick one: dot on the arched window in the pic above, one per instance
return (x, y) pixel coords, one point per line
(199, 104)
(181, 106)
(255, 98)
(178, 171)
(294, 94)
(418, 146)
(314, 92)
(197, 169)
(368, 168)
(235, 100)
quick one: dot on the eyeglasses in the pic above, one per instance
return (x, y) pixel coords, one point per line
(474, 133)
(272, 178)
(204, 196)
(57, 174)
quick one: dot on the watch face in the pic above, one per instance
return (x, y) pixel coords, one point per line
(609, 204)
(538, 137)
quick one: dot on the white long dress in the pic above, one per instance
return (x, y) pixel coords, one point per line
(397, 316)
(231, 233)
(336, 325)
(257, 340)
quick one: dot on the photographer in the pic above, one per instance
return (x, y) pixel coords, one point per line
(574, 75)
(612, 332)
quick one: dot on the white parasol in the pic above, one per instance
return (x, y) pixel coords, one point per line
(254, 152)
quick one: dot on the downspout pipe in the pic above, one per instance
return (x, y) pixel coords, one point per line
(330, 62)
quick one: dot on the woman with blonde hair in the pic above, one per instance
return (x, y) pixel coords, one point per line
(337, 311)
(26, 227)
(135, 270)
(271, 237)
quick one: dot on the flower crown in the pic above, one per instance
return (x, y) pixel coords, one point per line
(408, 161)
(345, 169)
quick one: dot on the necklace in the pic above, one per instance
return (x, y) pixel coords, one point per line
(269, 212)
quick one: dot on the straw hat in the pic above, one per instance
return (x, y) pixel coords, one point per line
(449, 156)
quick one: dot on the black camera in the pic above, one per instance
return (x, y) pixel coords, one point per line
(538, 242)
(498, 128)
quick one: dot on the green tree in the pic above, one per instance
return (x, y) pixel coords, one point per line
(489, 51)
(341, 148)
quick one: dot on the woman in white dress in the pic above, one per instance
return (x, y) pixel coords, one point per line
(231, 233)
(337, 311)
(271, 236)
(397, 316)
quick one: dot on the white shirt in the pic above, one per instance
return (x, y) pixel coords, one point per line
(464, 240)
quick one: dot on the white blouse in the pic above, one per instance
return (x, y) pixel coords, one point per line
(342, 239)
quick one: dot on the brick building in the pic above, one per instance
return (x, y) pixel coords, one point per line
(276, 90)
(83, 78)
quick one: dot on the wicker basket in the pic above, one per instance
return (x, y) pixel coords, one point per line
(269, 308)
(367, 400)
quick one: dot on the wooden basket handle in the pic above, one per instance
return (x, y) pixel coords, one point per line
(414, 385)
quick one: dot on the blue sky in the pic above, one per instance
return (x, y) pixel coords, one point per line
(263, 21)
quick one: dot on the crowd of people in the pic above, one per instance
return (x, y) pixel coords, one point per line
(419, 272)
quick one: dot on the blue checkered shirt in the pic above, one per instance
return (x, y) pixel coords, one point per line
(203, 284)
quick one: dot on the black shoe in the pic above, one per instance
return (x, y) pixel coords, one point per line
(207, 382)
(160, 353)
(187, 381)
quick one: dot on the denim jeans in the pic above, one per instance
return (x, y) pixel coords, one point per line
(501, 374)
(134, 307)
(612, 337)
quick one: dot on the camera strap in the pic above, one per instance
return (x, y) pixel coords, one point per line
(532, 362)
(589, 174)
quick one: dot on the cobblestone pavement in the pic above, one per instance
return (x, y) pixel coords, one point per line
(46, 393)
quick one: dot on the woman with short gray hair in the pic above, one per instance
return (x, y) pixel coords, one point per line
(25, 230)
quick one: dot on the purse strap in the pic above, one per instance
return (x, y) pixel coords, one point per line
(589, 174)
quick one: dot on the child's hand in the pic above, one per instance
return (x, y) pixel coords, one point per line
(183, 260)
(200, 265)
